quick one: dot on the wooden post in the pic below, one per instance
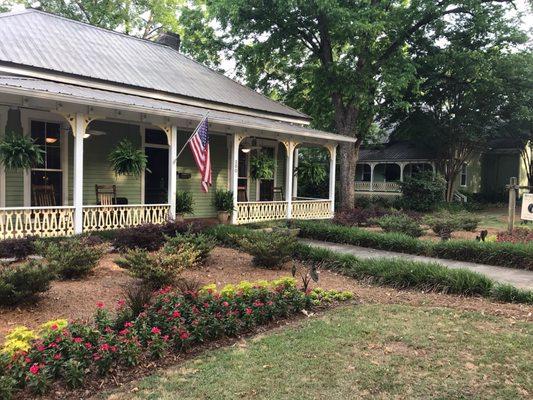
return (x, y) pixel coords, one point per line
(289, 175)
(79, 126)
(512, 203)
(172, 170)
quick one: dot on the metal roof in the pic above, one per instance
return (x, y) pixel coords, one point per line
(49, 42)
(62, 92)
(396, 151)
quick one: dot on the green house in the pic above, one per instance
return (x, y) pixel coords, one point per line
(78, 91)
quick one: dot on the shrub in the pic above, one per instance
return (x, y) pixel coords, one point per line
(519, 235)
(444, 223)
(359, 216)
(161, 268)
(18, 248)
(202, 243)
(223, 200)
(184, 203)
(23, 282)
(269, 250)
(71, 258)
(422, 192)
(400, 223)
(146, 237)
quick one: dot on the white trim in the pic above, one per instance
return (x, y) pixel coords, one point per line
(290, 147)
(150, 94)
(172, 170)
(236, 139)
(78, 129)
(332, 171)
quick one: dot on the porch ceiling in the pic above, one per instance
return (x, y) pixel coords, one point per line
(78, 95)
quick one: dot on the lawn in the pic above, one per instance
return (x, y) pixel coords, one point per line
(361, 351)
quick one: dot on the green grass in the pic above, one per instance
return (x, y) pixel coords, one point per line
(371, 351)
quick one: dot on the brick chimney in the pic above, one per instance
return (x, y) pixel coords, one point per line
(170, 39)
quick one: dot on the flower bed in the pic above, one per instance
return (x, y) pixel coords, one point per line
(171, 322)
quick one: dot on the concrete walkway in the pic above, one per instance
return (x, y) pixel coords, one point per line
(517, 277)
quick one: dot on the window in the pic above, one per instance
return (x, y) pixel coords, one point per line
(47, 178)
(464, 171)
(242, 181)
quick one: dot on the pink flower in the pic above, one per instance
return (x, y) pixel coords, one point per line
(78, 340)
(113, 349)
(104, 347)
(100, 305)
(165, 338)
(184, 335)
(54, 327)
(121, 303)
(225, 304)
(176, 314)
(57, 356)
(257, 303)
(52, 345)
(270, 303)
(41, 348)
(123, 332)
(155, 330)
(34, 369)
(248, 311)
(128, 324)
(88, 346)
(96, 356)
(107, 329)
(27, 360)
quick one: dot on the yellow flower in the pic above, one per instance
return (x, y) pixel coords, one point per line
(18, 339)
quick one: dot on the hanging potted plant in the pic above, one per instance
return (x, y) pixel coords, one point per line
(184, 205)
(223, 202)
(125, 159)
(262, 166)
(20, 152)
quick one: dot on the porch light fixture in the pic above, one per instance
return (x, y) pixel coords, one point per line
(51, 140)
(254, 146)
(246, 150)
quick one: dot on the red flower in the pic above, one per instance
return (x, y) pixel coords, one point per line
(108, 329)
(78, 340)
(27, 360)
(54, 327)
(100, 304)
(57, 356)
(248, 311)
(176, 314)
(155, 330)
(113, 349)
(34, 369)
(184, 335)
(52, 345)
(257, 303)
(124, 332)
(165, 338)
(96, 356)
(41, 348)
(104, 347)
(206, 304)
(225, 304)
(88, 346)
(128, 324)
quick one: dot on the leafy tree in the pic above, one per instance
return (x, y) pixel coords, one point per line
(312, 172)
(465, 89)
(146, 19)
(338, 59)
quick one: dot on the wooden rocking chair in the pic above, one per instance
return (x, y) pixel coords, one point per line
(106, 195)
(44, 196)
(277, 194)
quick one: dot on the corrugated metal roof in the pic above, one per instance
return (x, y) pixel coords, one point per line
(79, 94)
(397, 151)
(46, 41)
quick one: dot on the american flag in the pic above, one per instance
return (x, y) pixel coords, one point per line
(200, 150)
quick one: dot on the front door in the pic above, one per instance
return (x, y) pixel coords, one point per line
(156, 174)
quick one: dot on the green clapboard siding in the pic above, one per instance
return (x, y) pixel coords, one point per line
(96, 169)
(203, 207)
(14, 178)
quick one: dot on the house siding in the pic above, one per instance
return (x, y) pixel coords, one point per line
(14, 178)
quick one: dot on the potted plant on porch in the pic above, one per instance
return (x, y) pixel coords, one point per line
(125, 159)
(20, 152)
(262, 166)
(184, 205)
(223, 202)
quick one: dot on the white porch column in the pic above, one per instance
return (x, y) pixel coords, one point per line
(372, 165)
(234, 171)
(3, 121)
(172, 169)
(295, 177)
(290, 146)
(332, 170)
(79, 125)
(402, 166)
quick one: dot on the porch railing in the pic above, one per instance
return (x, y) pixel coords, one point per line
(101, 218)
(36, 221)
(258, 211)
(377, 186)
(311, 209)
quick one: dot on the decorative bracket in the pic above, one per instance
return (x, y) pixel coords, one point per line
(331, 148)
(290, 145)
(167, 128)
(71, 119)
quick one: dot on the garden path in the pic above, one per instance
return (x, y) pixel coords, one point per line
(517, 277)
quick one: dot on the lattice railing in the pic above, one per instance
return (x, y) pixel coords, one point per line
(101, 218)
(256, 211)
(36, 221)
(378, 186)
(311, 209)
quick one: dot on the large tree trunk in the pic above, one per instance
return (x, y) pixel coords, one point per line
(348, 159)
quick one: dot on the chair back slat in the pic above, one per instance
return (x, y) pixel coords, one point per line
(278, 194)
(106, 195)
(44, 196)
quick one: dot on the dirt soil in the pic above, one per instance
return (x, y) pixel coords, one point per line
(76, 300)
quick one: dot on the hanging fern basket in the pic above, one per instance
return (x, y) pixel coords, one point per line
(20, 152)
(262, 166)
(125, 159)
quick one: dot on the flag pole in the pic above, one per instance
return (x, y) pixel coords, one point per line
(190, 137)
